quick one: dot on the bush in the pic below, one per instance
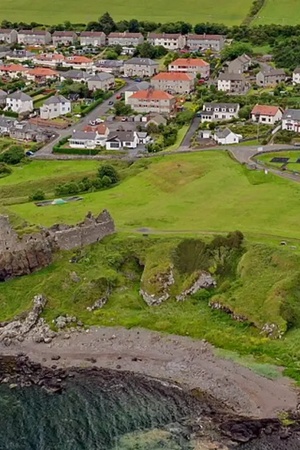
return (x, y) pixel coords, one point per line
(110, 172)
(4, 170)
(74, 151)
(12, 156)
(38, 195)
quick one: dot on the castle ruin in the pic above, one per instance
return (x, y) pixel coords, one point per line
(23, 255)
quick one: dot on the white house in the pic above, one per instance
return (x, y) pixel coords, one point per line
(219, 111)
(231, 82)
(170, 41)
(226, 137)
(266, 114)
(8, 36)
(118, 140)
(291, 120)
(104, 81)
(55, 106)
(190, 65)
(296, 76)
(19, 102)
(93, 38)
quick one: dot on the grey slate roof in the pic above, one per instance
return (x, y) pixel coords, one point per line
(273, 72)
(222, 133)
(101, 77)
(141, 62)
(2, 93)
(19, 95)
(297, 70)
(142, 86)
(84, 135)
(76, 74)
(293, 114)
(123, 136)
(55, 100)
(231, 76)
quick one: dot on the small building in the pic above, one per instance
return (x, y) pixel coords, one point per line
(202, 42)
(102, 80)
(64, 37)
(296, 76)
(101, 130)
(191, 65)
(125, 39)
(232, 82)
(240, 64)
(291, 120)
(226, 137)
(19, 102)
(143, 137)
(79, 76)
(78, 62)
(83, 139)
(152, 101)
(174, 82)
(3, 96)
(171, 41)
(119, 140)
(41, 74)
(140, 67)
(8, 36)
(271, 77)
(20, 55)
(34, 37)
(49, 59)
(55, 106)
(266, 114)
(13, 70)
(219, 111)
(92, 38)
(157, 120)
(142, 86)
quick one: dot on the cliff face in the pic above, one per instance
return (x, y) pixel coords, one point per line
(21, 256)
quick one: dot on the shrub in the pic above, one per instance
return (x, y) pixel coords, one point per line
(12, 156)
(4, 170)
(38, 195)
(110, 172)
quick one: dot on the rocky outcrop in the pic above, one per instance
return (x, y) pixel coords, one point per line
(217, 305)
(161, 283)
(21, 256)
(32, 326)
(272, 331)
(204, 281)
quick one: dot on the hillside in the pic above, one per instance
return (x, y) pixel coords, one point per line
(281, 12)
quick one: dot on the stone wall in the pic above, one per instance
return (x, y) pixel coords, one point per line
(21, 256)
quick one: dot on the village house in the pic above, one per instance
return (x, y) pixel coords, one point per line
(131, 89)
(152, 101)
(118, 140)
(5, 125)
(19, 102)
(102, 80)
(219, 111)
(49, 59)
(140, 67)
(125, 39)
(226, 137)
(8, 36)
(173, 41)
(157, 120)
(202, 42)
(78, 76)
(64, 38)
(296, 76)
(20, 55)
(174, 82)
(291, 120)
(266, 114)
(191, 65)
(78, 62)
(101, 130)
(41, 74)
(3, 95)
(270, 77)
(24, 131)
(232, 82)
(55, 106)
(13, 70)
(240, 64)
(114, 66)
(34, 37)
(92, 38)
(83, 139)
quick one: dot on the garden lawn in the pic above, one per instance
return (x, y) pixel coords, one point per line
(229, 12)
(180, 136)
(282, 12)
(205, 191)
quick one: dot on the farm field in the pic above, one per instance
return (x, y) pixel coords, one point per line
(57, 11)
(282, 12)
(205, 191)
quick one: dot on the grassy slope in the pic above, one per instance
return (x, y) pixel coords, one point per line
(283, 12)
(193, 192)
(57, 11)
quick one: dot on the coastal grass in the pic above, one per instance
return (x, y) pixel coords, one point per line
(229, 12)
(195, 192)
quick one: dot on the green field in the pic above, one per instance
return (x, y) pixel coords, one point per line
(229, 12)
(281, 12)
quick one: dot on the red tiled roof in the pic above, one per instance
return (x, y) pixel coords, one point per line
(188, 62)
(265, 110)
(78, 59)
(173, 76)
(151, 94)
(42, 72)
(101, 128)
(13, 68)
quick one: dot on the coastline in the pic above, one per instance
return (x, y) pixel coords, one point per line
(188, 362)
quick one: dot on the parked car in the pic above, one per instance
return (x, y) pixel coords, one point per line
(124, 119)
(97, 121)
(110, 102)
(29, 153)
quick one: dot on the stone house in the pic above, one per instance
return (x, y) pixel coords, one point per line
(240, 64)
(291, 120)
(75, 75)
(19, 102)
(55, 106)
(92, 38)
(219, 111)
(34, 37)
(296, 76)
(202, 42)
(125, 39)
(151, 100)
(226, 137)
(170, 41)
(78, 62)
(232, 82)
(8, 36)
(41, 74)
(270, 77)
(102, 80)
(110, 66)
(64, 37)
(118, 140)
(191, 65)
(131, 89)
(140, 67)
(157, 120)
(266, 114)
(174, 82)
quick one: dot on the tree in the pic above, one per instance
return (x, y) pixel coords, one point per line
(38, 195)
(244, 112)
(133, 26)
(12, 156)
(107, 23)
(234, 50)
(185, 117)
(110, 54)
(146, 50)
(108, 171)
(121, 109)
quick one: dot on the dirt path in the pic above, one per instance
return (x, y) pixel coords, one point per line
(189, 362)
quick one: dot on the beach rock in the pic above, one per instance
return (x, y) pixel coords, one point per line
(55, 357)
(204, 281)
(159, 282)
(98, 303)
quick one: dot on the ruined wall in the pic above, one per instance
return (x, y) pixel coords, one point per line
(21, 256)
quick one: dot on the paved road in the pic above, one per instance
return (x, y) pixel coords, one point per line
(193, 128)
(97, 112)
